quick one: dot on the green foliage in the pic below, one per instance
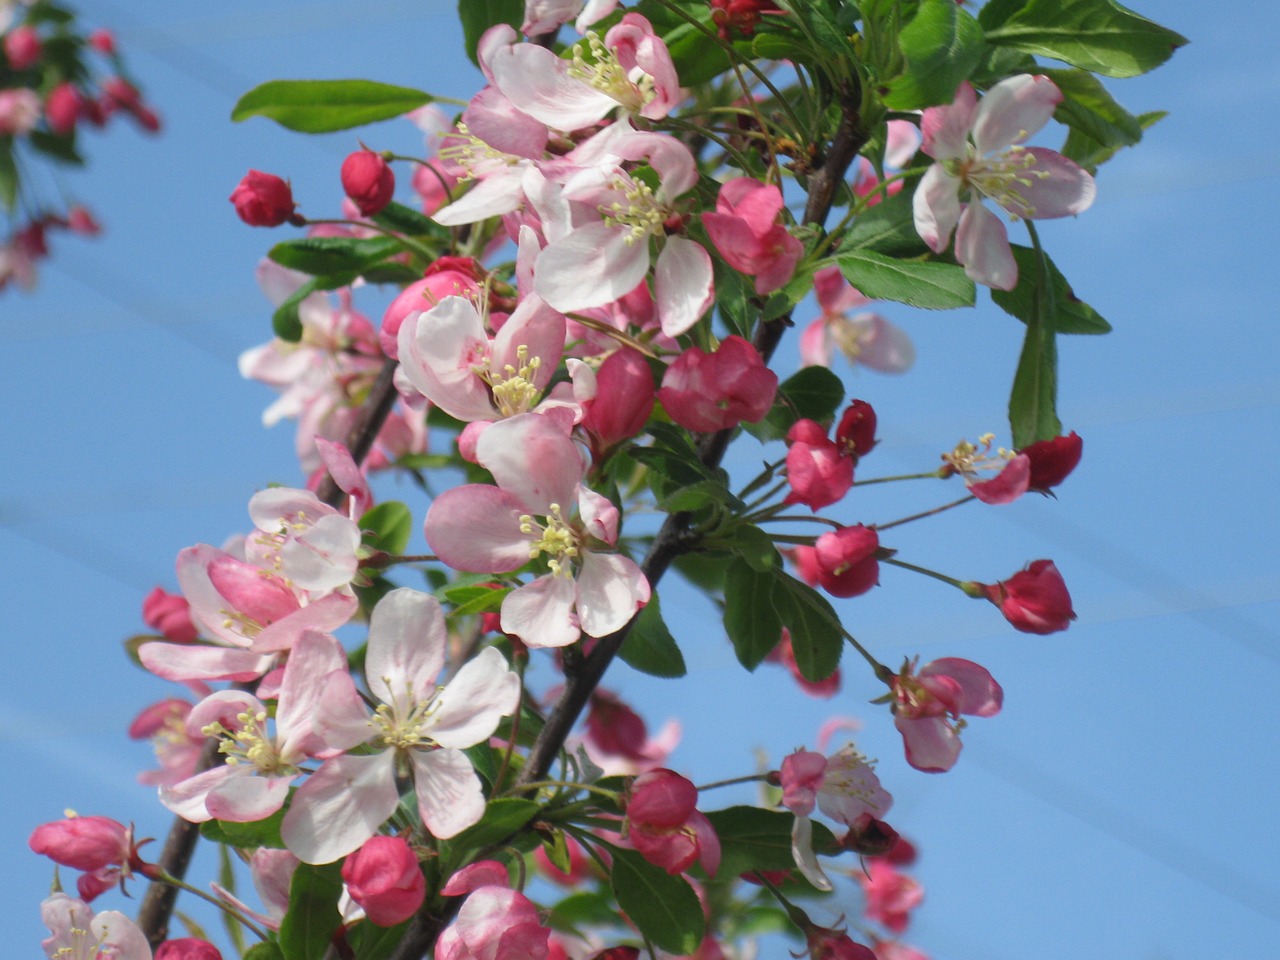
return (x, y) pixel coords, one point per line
(1097, 35)
(887, 228)
(8, 176)
(1033, 414)
(680, 480)
(267, 950)
(321, 255)
(942, 45)
(928, 284)
(323, 106)
(1091, 113)
(501, 819)
(649, 646)
(1070, 314)
(752, 838)
(758, 604)
(1090, 154)
(368, 941)
(388, 527)
(811, 393)
(246, 836)
(664, 908)
(308, 927)
(479, 15)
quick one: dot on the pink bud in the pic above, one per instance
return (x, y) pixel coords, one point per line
(263, 200)
(81, 221)
(383, 876)
(22, 47)
(847, 565)
(170, 614)
(1034, 600)
(447, 277)
(104, 41)
(84, 843)
(818, 472)
(624, 399)
(120, 94)
(187, 948)
(857, 428)
(368, 181)
(661, 798)
(801, 778)
(62, 108)
(614, 728)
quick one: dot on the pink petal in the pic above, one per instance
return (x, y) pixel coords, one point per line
(534, 459)
(980, 695)
(1013, 111)
(467, 711)
(450, 797)
(185, 661)
(1006, 486)
(477, 528)
(592, 266)
(945, 130)
(982, 245)
(682, 285)
(407, 639)
(611, 588)
(537, 82)
(246, 799)
(936, 207)
(340, 807)
(1057, 188)
(931, 743)
(541, 613)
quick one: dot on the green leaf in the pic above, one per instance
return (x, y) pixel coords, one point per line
(391, 525)
(60, 147)
(1100, 36)
(752, 838)
(664, 908)
(942, 44)
(479, 15)
(322, 106)
(321, 255)
(267, 950)
(8, 176)
(406, 220)
(754, 546)
(931, 285)
(371, 942)
(501, 819)
(285, 321)
(484, 600)
(649, 646)
(887, 228)
(1088, 107)
(246, 836)
(481, 757)
(1070, 314)
(1090, 154)
(811, 393)
(1033, 402)
(758, 604)
(308, 927)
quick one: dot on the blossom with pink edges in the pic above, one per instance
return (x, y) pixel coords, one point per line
(746, 230)
(928, 706)
(665, 827)
(76, 932)
(865, 338)
(384, 878)
(978, 146)
(1011, 471)
(890, 894)
(495, 922)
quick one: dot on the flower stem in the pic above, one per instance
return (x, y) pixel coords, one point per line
(752, 778)
(936, 474)
(926, 571)
(921, 516)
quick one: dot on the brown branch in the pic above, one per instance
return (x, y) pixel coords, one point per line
(180, 843)
(673, 539)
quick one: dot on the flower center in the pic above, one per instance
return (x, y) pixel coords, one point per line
(1002, 178)
(557, 539)
(636, 208)
(468, 151)
(514, 390)
(409, 731)
(250, 744)
(968, 459)
(605, 73)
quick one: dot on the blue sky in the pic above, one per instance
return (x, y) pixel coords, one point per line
(1122, 805)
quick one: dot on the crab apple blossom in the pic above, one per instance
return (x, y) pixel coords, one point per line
(865, 338)
(368, 181)
(177, 749)
(495, 922)
(263, 200)
(846, 564)
(818, 472)
(618, 741)
(1034, 600)
(745, 229)
(824, 944)
(979, 154)
(1052, 460)
(101, 847)
(622, 400)
(928, 706)
(62, 108)
(890, 894)
(417, 731)
(740, 17)
(303, 540)
(665, 827)
(318, 713)
(187, 948)
(969, 460)
(385, 879)
(77, 934)
(22, 47)
(894, 950)
(19, 111)
(715, 391)
(446, 277)
(530, 515)
(170, 614)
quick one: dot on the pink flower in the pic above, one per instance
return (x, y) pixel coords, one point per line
(419, 727)
(446, 277)
(103, 40)
(623, 398)
(1034, 600)
(531, 514)
(101, 847)
(384, 878)
(495, 923)
(187, 948)
(22, 47)
(76, 933)
(618, 741)
(893, 950)
(665, 827)
(19, 111)
(846, 561)
(827, 944)
(177, 750)
(368, 181)
(170, 614)
(1052, 460)
(891, 896)
(62, 108)
(715, 391)
(928, 705)
(864, 338)
(740, 16)
(1012, 470)
(263, 200)
(745, 230)
(818, 472)
(979, 151)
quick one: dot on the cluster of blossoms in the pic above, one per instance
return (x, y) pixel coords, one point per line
(54, 81)
(574, 388)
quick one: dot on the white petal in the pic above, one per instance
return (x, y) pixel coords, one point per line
(450, 797)
(469, 708)
(340, 807)
(407, 638)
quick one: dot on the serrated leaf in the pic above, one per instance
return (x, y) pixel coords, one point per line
(942, 45)
(1033, 401)
(1070, 314)
(477, 16)
(758, 604)
(406, 220)
(754, 547)
(664, 908)
(887, 228)
(246, 836)
(390, 525)
(811, 393)
(501, 819)
(649, 646)
(752, 838)
(267, 950)
(481, 757)
(307, 929)
(931, 285)
(323, 106)
(1096, 35)
(1090, 154)
(322, 255)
